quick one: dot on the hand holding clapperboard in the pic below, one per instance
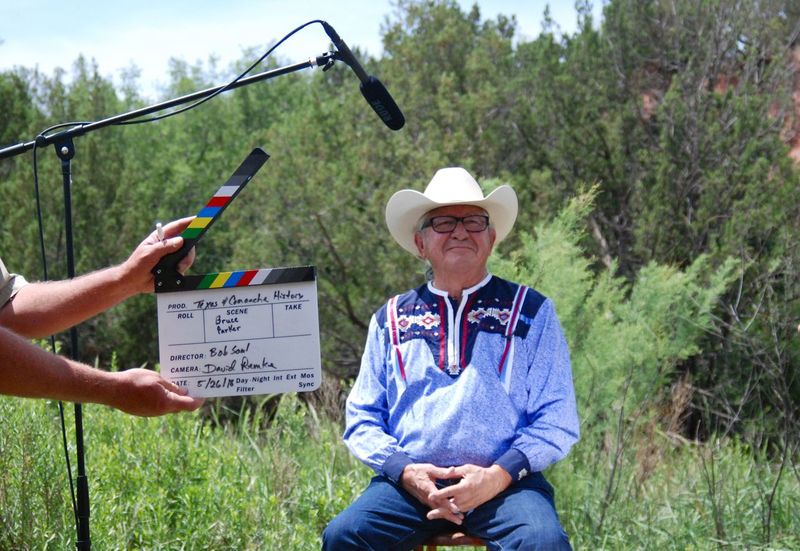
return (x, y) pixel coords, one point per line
(237, 333)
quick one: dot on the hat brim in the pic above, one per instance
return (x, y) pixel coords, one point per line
(406, 207)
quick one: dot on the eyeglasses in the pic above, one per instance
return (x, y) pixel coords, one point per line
(473, 223)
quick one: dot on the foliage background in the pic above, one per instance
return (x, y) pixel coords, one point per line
(651, 155)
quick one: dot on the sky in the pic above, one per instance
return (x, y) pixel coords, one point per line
(119, 34)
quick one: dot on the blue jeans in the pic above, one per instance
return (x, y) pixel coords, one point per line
(386, 517)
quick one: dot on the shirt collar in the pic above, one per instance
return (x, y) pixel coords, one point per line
(465, 292)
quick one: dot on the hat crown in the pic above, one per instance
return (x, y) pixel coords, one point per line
(453, 184)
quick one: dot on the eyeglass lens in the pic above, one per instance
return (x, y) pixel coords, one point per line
(472, 223)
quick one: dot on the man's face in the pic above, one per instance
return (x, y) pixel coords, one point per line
(459, 250)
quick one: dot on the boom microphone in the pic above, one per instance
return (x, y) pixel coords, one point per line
(372, 89)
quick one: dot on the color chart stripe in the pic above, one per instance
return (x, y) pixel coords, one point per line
(206, 281)
(248, 278)
(218, 201)
(226, 191)
(220, 280)
(233, 280)
(200, 222)
(209, 212)
(191, 233)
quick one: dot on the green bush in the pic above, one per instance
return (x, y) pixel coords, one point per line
(624, 339)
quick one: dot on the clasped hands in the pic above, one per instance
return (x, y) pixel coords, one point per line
(475, 486)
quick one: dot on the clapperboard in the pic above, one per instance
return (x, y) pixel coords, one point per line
(237, 333)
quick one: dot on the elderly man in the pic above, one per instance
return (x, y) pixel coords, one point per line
(41, 309)
(465, 390)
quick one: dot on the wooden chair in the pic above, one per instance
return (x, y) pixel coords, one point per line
(451, 539)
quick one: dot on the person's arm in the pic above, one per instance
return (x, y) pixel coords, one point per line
(45, 308)
(28, 371)
(552, 426)
(366, 433)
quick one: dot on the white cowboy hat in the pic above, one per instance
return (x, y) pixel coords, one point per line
(449, 186)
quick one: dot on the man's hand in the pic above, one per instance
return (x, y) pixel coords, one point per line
(136, 269)
(146, 393)
(419, 479)
(43, 308)
(477, 486)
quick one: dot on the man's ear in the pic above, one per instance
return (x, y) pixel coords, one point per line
(420, 245)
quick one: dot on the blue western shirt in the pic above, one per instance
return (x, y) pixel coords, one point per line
(483, 380)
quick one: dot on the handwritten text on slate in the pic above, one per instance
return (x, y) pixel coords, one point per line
(249, 340)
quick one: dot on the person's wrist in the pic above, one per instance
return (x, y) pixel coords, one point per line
(500, 476)
(395, 465)
(121, 281)
(406, 472)
(84, 383)
(109, 388)
(136, 279)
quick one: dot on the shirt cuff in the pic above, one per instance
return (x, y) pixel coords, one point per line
(394, 465)
(515, 463)
(10, 286)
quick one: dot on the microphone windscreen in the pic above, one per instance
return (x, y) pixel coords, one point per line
(382, 102)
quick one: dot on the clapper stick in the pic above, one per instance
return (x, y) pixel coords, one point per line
(167, 277)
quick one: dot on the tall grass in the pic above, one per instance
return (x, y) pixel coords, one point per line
(667, 503)
(181, 482)
(177, 482)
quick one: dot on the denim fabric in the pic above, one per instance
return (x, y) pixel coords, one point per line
(386, 517)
